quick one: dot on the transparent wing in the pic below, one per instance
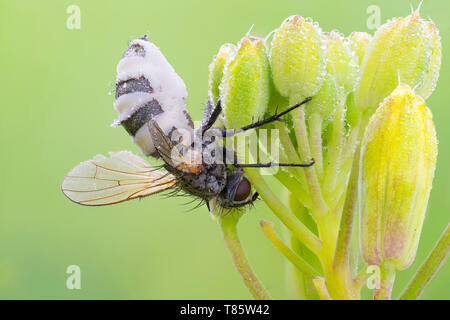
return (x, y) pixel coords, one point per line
(106, 180)
(191, 163)
(165, 148)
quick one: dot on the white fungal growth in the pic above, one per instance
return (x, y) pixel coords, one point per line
(144, 60)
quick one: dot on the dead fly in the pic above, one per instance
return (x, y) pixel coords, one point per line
(150, 102)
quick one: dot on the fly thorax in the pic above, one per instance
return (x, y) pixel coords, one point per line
(147, 87)
(213, 151)
(207, 184)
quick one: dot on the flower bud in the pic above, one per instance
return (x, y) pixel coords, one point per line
(359, 41)
(325, 100)
(245, 87)
(216, 70)
(406, 50)
(342, 63)
(398, 159)
(298, 58)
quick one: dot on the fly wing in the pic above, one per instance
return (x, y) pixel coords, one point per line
(189, 161)
(163, 145)
(107, 180)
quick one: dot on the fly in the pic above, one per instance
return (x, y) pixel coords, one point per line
(150, 100)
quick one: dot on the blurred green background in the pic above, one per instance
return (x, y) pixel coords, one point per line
(57, 112)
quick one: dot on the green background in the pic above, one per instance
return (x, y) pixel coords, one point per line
(56, 112)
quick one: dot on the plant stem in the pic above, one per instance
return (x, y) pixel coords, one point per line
(321, 288)
(291, 153)
(338, 282)
(334, 159)
(341, 258)
(282, 174)
(361, 278)
(302, 287)
(429, 268)
(319, 206)
(387, 277)
(292, 184)
(297, 261)
(315, 129)
(303, 281)
(342, 255)
(351, 148)
(352, 141)
(354, 258)
(228, 228)
(290, 220)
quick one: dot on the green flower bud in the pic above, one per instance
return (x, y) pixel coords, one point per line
(359, 41)
(216, 70)
(406, 50)
(398, 160)
(298, 58)
(245, 87)
(342, 63)
(429, 82)
(325, 100)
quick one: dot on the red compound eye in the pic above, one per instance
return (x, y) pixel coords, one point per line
(243, 190)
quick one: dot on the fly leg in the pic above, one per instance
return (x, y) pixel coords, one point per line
(231, 132)
(231, 157)
(273, 164)
(210, 116)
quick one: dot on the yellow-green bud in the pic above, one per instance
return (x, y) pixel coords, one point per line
(245, 87)
(398, 160)
(298, 58)
(359, 42)
(342, 63)
(216, 70)
(406, 50)
(325, 100)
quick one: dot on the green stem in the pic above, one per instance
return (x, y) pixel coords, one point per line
(350, 149)
(361, 278)
(352, 141)
(355, 260)
(341, 261)
(315, 129)
(228, 228)
(339, 275)
(319, 206)
(290, 220)
(321, 288)
(297, 261)
(301, 280)
(342, 255)
(291, 153)
(429, 268)
(387, 277)
(338, 282)
(343, 246)
(301, 284)
(292, 184)
(335, 150)
(282, 174)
